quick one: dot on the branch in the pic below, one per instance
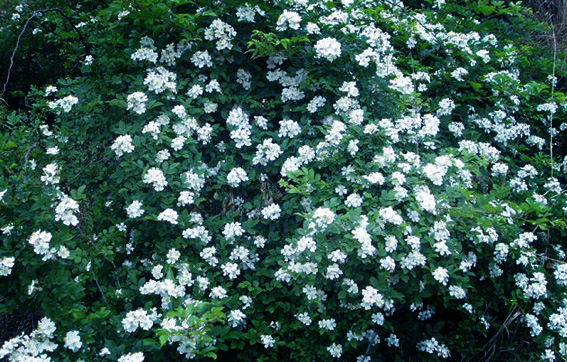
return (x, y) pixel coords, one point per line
(81, 39)
(38, 13)
(15, 50)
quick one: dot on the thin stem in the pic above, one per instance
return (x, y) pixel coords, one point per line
(81, 39)
(38, 13)
(552, 98)
(14, 52)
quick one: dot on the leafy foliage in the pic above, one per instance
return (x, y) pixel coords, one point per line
(270, 180)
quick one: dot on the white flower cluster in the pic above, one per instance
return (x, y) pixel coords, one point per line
(73, 341)
(50, 174)
(137, 102)
(160, 79)
(322, 217)
(236, 176)
(168, 215)
(222, 32)
(232, 230)
(6, 265)
(240, 131)
(135, 210)
(122, 144)
(65, 103)
(145, 53)
(534, 287)
(155, 177)
(139, 318)
(271, 212)
(31, 347)
(371, 297)
(202, 59)
(266, 152)
(434, 347)
(132, 357)
(288, 19)
(66, 211)
(328, 48)
(40, 242)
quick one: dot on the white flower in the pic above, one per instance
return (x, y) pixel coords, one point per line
(236, 318)
(289, 128)
(222, 32)
(66, 103)
(195, 91)
(135, 209)
(267, 340)
(232, 230)
(335, 350)
(353, 200)
(289, 19)
(333, 272)
(186, 198)
(51, 151)
(46, 327)
(230, 270)
(178, 143)
(323, 216)
(6, 265)
(312, 28)
(65, 211)
(290, 165)
(402, 84)
(457, 292)
(246, 13)
(73, 341)
(434, 173)
(388, 214)
(168, 215)
(218, 292)
(371, 297)
(446, 107)
(137, 102)
(328, 324)
(172, 256)
(441, 275)
(160, 79)
(425, 198)
(236, 176)
(50, 174)
(40, 242)
(267, 151)
(155, 177)
(202, 59)
(50, 89)
(122, 145)
(89, 60)
(328, 48)
(145, 53)
(132, 357)
(272, 212)
(139, 318)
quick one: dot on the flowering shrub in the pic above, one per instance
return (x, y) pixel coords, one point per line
(303, 180)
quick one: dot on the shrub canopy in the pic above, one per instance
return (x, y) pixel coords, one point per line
(296, 180)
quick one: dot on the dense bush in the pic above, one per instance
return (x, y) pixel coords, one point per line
(296, 180)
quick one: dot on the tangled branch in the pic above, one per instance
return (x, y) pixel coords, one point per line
(36, 14)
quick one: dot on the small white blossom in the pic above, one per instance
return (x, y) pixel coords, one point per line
(168, 215)
(73, 341)
(328, 48)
